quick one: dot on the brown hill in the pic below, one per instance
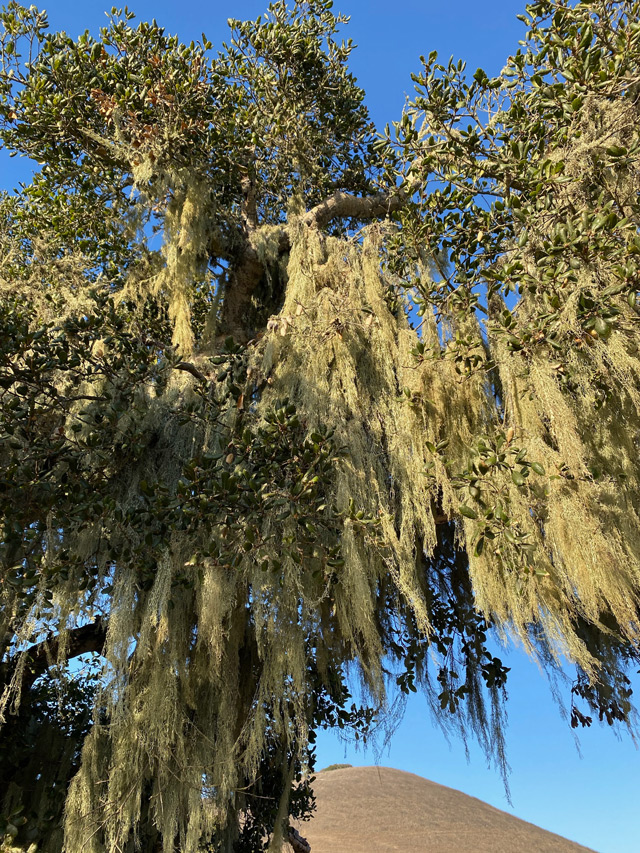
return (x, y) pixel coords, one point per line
(380, 810)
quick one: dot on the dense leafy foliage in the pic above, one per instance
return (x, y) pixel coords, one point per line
(233, 460)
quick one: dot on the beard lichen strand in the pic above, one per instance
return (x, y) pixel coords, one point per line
(344, 356)
(185, 250)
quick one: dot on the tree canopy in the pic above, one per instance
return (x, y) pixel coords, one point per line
(288, 405)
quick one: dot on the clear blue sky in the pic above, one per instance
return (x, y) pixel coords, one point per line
(592, 799)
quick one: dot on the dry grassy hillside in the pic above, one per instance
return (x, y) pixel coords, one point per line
(379, 810)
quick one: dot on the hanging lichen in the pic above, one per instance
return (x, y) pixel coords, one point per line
(209, 647)
(186, 228)
(194, 698)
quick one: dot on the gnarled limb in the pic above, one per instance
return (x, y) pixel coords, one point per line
(343, 205)
(246, 275)
(86, 638)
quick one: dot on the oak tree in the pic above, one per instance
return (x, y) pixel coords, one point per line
(284, 399)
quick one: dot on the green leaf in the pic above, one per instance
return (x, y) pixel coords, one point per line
(602, 328)
(468, 512)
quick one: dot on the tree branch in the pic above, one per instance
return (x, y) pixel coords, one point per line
(86, 638)
(192, 369)
(245, 277)
(345, 205)
(243, 280)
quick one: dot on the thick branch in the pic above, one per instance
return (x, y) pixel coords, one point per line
(86, 638)
(249, 205)
(342, 205)
(245, 276)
